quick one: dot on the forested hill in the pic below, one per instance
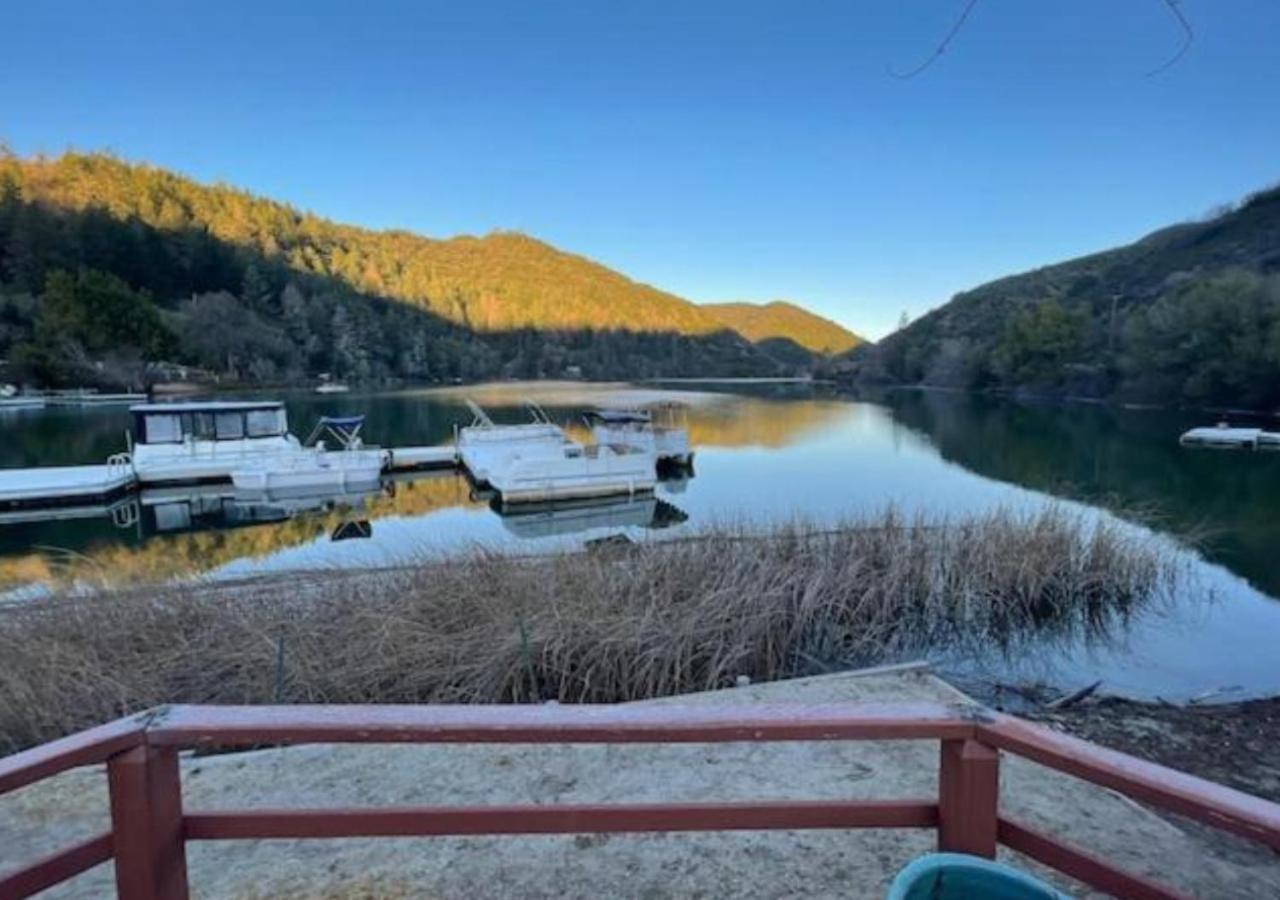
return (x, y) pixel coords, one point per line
(107, 268)
(779, 320)
(1187, 315)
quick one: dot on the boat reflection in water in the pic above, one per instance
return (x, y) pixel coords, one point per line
(161, 533)
(533, 521)
(207, 507)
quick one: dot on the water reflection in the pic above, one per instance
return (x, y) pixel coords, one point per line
(762, 458)
(1128, 461)
(180, 531)
(170, 532)
(545, 520)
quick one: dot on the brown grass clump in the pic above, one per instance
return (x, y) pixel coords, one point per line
(653, 619)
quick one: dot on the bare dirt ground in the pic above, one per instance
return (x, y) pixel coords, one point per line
(746, 864)
(1236, 744)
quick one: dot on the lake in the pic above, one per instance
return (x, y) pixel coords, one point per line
(764, 452)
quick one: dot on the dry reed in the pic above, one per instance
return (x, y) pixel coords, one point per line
(653, 619)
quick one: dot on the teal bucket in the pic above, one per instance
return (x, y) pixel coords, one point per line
(951, 876)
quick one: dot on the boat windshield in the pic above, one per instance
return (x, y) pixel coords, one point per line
(161, 427)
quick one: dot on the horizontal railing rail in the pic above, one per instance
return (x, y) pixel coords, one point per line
(150, 828)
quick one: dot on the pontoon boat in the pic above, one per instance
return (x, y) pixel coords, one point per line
(484, 445)
(191, 442)
(665, 439)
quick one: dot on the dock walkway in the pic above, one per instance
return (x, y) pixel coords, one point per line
(58, 485)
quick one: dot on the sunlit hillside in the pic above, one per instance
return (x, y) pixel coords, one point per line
(107, 266)
(502, 281)
(759, 322)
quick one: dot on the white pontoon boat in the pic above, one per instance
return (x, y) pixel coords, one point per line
(637, 428)
(574, 471)
(484, 445)
(192, 442)
(315, 467)
(1224, 435)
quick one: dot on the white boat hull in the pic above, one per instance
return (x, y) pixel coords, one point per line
(575, 473)
(483, 449)
(1221, 436)
(311, 471)
(205, 460)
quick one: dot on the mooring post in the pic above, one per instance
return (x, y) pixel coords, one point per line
(146, 824)
(968, 797)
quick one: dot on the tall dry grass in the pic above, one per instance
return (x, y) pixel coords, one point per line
(641, 621)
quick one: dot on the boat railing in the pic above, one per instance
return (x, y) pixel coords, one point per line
(150, 826)
(119, 466)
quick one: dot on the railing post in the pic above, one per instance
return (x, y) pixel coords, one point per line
(146, 824)
(968, 797)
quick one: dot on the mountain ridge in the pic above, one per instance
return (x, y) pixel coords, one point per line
(785, 320)
(306, 294)
(1188, 314)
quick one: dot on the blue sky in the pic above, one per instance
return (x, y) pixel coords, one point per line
(744, 150)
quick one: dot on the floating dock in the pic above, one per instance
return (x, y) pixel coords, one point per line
(88, 398)
(96, 486)
(401, 459)
(1227, 437)
(63, 485)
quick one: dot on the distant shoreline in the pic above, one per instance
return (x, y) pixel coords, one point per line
(762, 380)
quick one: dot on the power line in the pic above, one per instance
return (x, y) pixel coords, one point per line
(942, 45)
(1175, 10)
(1188, 35)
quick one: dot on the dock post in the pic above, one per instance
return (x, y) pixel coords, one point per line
(968, 797)
(146, 824)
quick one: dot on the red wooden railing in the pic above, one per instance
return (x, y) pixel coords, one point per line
(150, 828)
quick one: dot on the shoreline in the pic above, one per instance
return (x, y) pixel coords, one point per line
(854, 388)
(610, 624)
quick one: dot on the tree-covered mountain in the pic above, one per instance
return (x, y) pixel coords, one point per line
(1187, 315)
(107, 268)
(779, 320)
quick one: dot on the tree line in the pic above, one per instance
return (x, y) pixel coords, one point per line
(1187, 316)
(114, 274)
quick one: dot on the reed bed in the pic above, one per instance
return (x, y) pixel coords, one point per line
(622, 623)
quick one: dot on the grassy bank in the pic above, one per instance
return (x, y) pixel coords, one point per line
(621, 624)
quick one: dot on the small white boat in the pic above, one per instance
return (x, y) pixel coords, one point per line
(484, 446)
(1223, 435)
(574, 471)
(637, 428)
(332, 387)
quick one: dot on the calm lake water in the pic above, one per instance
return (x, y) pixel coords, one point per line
(764, 452)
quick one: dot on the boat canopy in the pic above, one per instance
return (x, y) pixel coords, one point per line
(346, 429)
(174, 423)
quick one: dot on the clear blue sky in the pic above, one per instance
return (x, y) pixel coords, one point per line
(743, 150)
